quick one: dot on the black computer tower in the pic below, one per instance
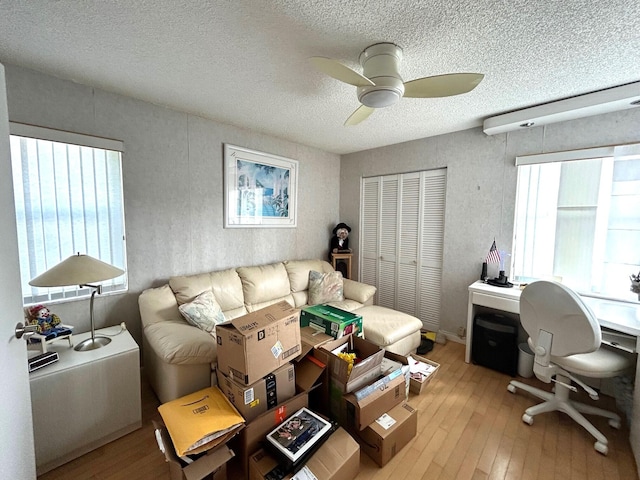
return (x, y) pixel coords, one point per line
(495, 343)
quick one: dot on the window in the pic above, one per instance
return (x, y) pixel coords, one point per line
(68, 198)
(578, 218)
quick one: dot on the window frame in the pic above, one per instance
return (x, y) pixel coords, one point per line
(74, 293)
(610, 152)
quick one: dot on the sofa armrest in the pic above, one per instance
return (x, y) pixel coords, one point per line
(360, 292)
(177, 342)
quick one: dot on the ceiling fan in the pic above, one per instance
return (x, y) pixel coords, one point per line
(380, 85)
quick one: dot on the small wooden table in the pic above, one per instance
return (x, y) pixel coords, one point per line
(342, 256)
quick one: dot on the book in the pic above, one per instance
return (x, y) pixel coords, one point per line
(200, 421)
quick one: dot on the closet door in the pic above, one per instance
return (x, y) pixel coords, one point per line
(431, 248)
(402, 225)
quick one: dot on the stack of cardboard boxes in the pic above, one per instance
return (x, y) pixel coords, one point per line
(273, 362)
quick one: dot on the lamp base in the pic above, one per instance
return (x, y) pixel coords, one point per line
(92, 344)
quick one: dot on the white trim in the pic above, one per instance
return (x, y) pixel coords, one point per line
(594, 103)
(42, 133)
(618, 151)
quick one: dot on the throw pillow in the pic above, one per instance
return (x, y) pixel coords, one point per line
(325, 287)
(203, 312)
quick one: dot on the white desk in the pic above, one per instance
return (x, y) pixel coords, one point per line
(622, 318)
(86, 399)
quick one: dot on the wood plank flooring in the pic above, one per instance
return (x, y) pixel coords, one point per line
(469, 427)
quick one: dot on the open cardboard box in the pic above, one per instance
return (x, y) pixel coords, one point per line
(206, 466)
(415, 386)
(366, 369)
(337, 459)
(360, 413)
(256, 344)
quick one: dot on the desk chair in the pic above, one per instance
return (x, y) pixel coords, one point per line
(565, 337)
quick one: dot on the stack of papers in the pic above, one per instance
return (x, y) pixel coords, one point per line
(420, 370)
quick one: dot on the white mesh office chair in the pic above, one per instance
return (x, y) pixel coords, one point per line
(565, 337)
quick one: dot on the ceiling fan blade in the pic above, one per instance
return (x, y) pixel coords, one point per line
(340, 72)
(442, 85)
(361, 113)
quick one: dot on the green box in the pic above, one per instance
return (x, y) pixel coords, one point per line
(331, 320)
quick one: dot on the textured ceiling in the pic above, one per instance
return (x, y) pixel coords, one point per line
(245, 62)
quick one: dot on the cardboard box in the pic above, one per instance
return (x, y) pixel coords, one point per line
(256, 344)
(386, 436)
(417, 384)
(266, 393)
(311, 338)
(247, 442)
(360, 413)
(331, 320)
(337, 459)
(370, 356)
(210, 465)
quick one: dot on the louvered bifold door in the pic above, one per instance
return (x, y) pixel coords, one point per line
(408, 244)
(431, 247)
(388, 241)
(369, 231)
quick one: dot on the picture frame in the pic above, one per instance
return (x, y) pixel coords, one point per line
(260, 189)
(298, 435)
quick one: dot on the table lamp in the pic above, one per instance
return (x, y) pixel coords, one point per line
(82, 270)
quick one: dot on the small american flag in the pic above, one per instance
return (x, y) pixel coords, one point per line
(493, 256)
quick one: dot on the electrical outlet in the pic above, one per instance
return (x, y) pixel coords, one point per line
(462, 332)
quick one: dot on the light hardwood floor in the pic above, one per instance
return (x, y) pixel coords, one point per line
(469, 427)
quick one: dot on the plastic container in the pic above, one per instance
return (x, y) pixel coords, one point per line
(525, 360)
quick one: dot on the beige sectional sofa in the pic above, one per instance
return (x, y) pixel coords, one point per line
(180, 358)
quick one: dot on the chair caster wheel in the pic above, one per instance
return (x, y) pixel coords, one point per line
(614, 423)
(601, 448)
(528, 419)
(511, 388)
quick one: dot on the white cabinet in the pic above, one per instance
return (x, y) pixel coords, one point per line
(86, 399)
(401, 241)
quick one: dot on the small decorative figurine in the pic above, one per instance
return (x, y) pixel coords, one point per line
(340, 239)
(49, 327)
(40, 316)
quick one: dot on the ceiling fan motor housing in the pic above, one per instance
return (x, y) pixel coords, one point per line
(380, 64)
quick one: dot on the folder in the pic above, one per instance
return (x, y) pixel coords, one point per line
(200, 421)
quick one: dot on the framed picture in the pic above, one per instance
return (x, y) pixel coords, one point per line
(300, 433)
(260, 189)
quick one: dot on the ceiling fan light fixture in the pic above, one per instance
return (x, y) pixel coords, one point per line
(379, 98)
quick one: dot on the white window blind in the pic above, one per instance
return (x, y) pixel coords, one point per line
(578, 218)
(68, 198)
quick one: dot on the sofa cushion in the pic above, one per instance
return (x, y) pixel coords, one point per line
(203, 312)
(225, 285)
(264, 283)
(384, 326)
(298, 271)
(177, 342)
(325, 287)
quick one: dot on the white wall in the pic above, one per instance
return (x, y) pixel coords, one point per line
(481, 185)
(173, 189)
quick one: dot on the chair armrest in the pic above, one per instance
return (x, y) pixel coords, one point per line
(360, 292)
(177, 342)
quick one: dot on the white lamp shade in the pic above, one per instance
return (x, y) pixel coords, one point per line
(76, 270)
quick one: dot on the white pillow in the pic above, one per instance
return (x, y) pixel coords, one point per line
(203, 312)
(325, 287)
